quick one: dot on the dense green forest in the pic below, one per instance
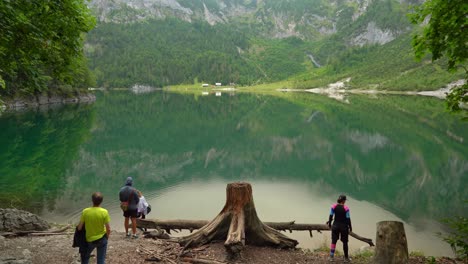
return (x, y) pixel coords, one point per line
(41, 46)
(161, 52)
(151, 53)
(41, 49)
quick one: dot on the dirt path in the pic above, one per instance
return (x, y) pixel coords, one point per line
(57, 249)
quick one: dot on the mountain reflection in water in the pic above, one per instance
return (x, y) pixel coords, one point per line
(397, 158)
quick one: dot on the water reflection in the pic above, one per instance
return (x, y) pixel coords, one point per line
(36, 149)
(396, 157)
(280, 201)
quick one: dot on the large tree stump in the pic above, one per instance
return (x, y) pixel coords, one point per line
(238, 224)
(391, 244)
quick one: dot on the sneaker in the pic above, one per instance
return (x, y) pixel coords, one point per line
(331, 259)
(128, 235)
(347, 260)
(135, 236)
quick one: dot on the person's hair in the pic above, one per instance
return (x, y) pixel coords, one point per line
(139, 194)
(341, 198)
(97, 198)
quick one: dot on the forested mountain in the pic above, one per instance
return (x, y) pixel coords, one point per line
(163, 42)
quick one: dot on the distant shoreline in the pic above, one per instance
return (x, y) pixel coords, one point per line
(40, 101)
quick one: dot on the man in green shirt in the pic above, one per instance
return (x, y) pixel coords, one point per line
(96, 222)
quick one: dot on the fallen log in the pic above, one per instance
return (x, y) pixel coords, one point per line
(200, 261)
(37, 233)
(197, 224)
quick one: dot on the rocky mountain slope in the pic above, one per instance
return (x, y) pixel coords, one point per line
(165, 42)
(306, 19)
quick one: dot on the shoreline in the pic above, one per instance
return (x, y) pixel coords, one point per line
(120, 250)
(40, 101)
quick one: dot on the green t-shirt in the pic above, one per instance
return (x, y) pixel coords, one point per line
(95, 219)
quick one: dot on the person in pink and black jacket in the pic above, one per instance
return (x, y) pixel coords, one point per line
(341, 226)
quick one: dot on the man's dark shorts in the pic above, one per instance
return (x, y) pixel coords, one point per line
(131, 213)
(339, 231)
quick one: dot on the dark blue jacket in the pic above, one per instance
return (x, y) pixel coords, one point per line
(79, 239)
(130, 195)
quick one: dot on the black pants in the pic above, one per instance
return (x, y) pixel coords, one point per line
(341, 232)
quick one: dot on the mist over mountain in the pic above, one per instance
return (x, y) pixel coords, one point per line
(241, 41)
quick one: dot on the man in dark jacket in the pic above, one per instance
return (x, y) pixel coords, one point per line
(341, 226)
(129, 196)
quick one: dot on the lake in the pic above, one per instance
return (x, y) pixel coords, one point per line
(396, 158)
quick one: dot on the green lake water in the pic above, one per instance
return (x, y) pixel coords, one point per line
(395, 157)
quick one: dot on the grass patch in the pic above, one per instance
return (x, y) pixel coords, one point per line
(363, 256)
(416, 254)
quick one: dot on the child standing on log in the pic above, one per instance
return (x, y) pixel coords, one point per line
(143, 206)
(341, 226)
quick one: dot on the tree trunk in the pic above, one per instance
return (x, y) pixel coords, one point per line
(391, 244)
(191, 225)
(238, 224)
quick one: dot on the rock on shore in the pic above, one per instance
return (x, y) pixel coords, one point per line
(12, 220)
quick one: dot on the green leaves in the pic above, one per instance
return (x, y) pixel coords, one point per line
(40, 40)
(444, 36)
(456, 96)
(457, 238)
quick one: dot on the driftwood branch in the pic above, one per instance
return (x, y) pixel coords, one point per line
(38, 233)
(200, 261)
(363, 239)
(197, 224)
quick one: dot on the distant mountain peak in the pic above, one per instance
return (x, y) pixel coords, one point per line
(305, 19)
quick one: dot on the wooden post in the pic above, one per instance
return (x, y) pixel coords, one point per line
(391, 244)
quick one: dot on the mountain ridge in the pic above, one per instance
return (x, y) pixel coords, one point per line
(305, 19)
(166, 42)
